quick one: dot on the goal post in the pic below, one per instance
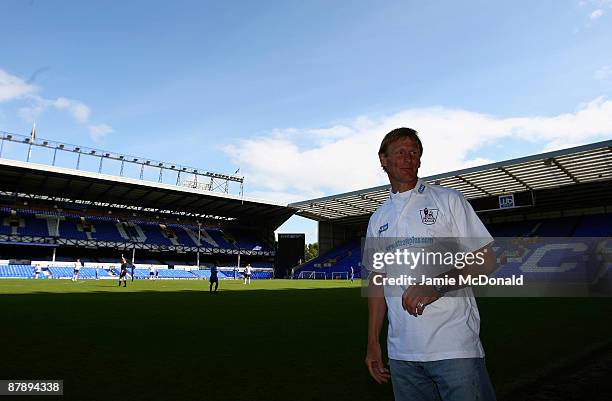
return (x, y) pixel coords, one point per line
(320, 276)
(305, 275)
(311, 275)
(340, 276)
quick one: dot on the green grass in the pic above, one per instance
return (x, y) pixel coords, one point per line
(110, 286)
(272, 340)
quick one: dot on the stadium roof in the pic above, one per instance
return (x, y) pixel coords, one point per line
(581, 164)
(63, 183)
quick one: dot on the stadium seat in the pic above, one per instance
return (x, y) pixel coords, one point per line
(16, 271)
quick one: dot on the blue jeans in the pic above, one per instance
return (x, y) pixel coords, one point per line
(464, 379)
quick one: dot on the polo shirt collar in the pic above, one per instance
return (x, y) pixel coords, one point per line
(403, 196)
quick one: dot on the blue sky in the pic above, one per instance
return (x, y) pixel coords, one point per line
(299, 94)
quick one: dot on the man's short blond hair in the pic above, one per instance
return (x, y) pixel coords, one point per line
(397, 134)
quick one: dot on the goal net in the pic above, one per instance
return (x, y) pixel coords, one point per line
(311, 275)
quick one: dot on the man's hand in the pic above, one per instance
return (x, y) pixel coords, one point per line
(375, 364)
(417, 297)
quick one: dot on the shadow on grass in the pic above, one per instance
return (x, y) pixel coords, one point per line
(235, 345)
(255, 344)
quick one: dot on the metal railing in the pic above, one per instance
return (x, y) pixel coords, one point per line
(180, 175)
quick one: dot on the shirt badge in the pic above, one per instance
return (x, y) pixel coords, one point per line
(428, 216)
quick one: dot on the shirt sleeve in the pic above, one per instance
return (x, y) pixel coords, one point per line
(467, 226)
(371, 247)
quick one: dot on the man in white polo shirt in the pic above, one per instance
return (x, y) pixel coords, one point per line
(433, 337)
(77, 268)
(247, 273)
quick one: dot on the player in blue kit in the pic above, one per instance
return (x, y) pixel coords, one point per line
(124, 271)
(214, 279)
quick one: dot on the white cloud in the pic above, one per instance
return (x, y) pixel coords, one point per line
(599, 4)
(99, 131)
(77, 109)
(13, 87)
(479, 161)
(31, 112)
(595, 9)
(294, 164)
(283, 197)
(38, 104)
(603, 74)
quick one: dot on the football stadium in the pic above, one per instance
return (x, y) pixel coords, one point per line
(297, 331)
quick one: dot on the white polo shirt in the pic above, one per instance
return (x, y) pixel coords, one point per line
(449, 327)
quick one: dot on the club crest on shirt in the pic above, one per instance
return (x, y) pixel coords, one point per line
(428, 216)
(421, 189)
(383, 228)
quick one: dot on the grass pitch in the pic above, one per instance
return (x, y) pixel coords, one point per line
(272, 340)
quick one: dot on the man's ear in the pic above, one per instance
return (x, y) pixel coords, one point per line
(383, 160)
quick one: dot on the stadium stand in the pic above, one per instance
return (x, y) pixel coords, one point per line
(337, 260)
(175, 274)
(72, 227)
(105, 229)
(140, 274)
(36, 223)
(222, 239)
(182, 236)
(86, 273)
(16, 271)
(60, 272)
(229, 274)
(560, 227)
(262, 265)
(594, 226)
(261, 275)
(203, 274)
(152, 233)
(513, 229)
(540, 250)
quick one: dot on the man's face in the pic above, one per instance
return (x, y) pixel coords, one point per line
(401, 162)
